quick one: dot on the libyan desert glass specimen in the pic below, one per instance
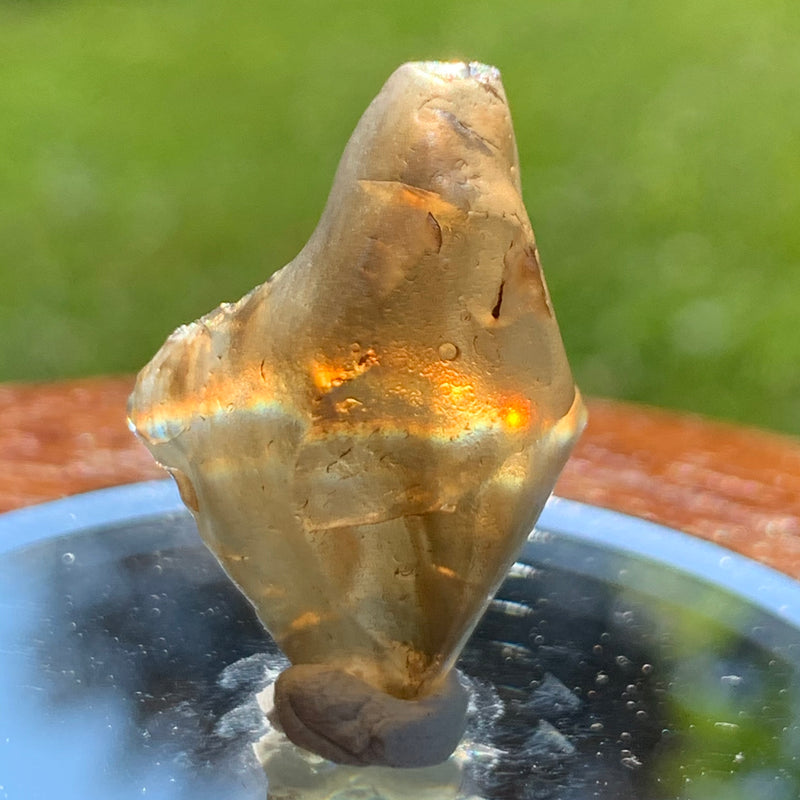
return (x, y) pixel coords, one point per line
(367, 439)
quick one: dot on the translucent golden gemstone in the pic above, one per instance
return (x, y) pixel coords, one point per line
(367, 439)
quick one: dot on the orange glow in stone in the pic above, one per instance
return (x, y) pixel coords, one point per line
(307, 620)
(329, 376)
(446, 571)
(326, 377)
(518, 416)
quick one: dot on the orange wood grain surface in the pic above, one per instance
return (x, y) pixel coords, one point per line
(735, 486)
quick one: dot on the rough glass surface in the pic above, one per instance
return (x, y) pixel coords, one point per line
(367, 439)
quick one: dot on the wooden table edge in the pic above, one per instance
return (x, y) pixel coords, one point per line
(736, 486)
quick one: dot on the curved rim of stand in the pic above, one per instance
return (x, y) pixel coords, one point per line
(83, 512)
(564, 526)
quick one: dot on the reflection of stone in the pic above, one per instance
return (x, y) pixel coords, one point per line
(343, 718)
(367, 438)
(293, 773)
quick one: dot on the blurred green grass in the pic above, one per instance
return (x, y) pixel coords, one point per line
(160, 157)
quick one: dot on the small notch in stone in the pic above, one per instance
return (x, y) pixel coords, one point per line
(437, 231)
(499, 303)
